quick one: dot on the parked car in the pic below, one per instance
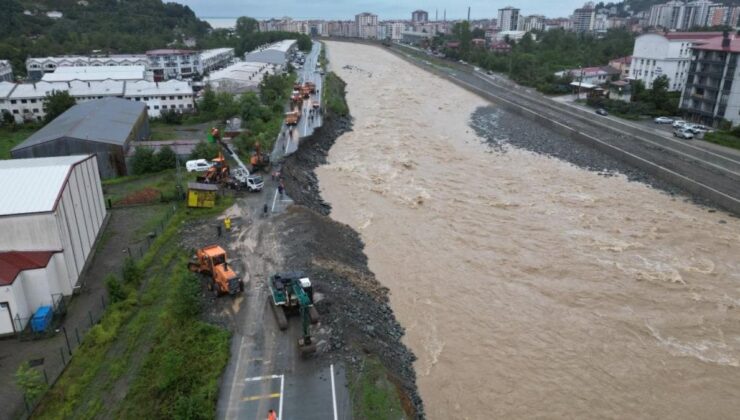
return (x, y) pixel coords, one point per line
(663, 120)
(698, 128)
(683, 134)
(198, 165)
(679, 123)
(602, 112)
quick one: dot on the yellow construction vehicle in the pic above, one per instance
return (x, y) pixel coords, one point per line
(211, 261)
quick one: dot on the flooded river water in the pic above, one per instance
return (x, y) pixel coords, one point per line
(528, 287)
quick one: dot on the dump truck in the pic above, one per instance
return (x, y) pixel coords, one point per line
(291, 293)
(211, 262)
(292, 117)
(311, 86)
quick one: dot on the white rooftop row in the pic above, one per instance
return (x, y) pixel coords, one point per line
(209, 54)
(98, 88)
(282, 46)
(85, 74)
(240, 77)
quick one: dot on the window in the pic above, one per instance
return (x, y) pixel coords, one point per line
(33, 101)
(179, 97)
(156, 106)
(15, 111)
(172, 98)
(182, 106)
(147, 107)
(190, 106)
(35, 110)
(24, 101)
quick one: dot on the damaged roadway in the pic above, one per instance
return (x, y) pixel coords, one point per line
(266, 370)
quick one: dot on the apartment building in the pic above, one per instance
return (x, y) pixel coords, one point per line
(36, 67)
(508, 19)
(216, 58)
(6, 71)
(534, 23)
(680, 15)
(167, 64)
(584, 18)
(394, 29)
(666, 54)
(419, 16)
(712, 91)
(367, 25)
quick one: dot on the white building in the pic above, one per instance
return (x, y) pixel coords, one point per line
(6, 71)
(216, 58)
(534, 23)
(511, 36)
(175, 95)
(393, 30)
(276, 53)
(419, 16)
(367, 25)
(167, 64)
(37, 67)
(96, 74)
(26, 100)
(240, 77)
(668, 54)
(508, 19)
(681, 15)
(51, 215)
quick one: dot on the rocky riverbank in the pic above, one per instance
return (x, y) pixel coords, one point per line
(354, 306)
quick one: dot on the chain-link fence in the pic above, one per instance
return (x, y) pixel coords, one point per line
(68, 328)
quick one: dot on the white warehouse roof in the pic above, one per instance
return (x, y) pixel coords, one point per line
(5, 89)
(208, 54)
(34, 185)
(86, 74)
(170, 87)
(76, 88)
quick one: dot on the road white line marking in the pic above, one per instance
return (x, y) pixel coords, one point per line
(274, 200)
(262, 378)
(236, 375)
(333, 392)
(280, 408)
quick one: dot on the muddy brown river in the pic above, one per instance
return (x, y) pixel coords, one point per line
(530, 288)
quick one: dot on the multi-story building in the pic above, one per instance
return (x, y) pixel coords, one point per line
(96, 74)
(173, 95)
(167, 64)
(394, 29)
(623, 65)
(37, 67)
(681, 15)
(666, 54)
(6, 71)
(216, 58)
(25, 101)
(367, 25)
(584, 18)
(419, 16)
(712, 91)
(534, 23)
(508, 19)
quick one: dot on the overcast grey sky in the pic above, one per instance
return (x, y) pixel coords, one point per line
(385, 9)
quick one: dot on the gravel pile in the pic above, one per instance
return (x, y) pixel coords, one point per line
(503, 129)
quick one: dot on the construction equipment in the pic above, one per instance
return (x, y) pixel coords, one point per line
(218, 172)
(292, 117)
(291, 293)
(211, 261)
(311, 86)
(258, 159)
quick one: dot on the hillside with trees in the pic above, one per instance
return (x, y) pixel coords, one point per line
(110, 26)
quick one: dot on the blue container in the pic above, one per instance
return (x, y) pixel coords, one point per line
(41, 319)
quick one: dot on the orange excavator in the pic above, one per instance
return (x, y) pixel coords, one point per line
(211, 261)
(259, 159)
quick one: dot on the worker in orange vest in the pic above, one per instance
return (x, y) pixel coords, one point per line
(271, 415)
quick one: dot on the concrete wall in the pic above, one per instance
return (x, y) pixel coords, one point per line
(32, 232)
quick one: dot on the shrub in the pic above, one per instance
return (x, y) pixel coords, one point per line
(30, 380)
(116, 291)
(165, 159)
(185, 301)
(204, 150)
(143, 161)
(132, 273)
(171, 116)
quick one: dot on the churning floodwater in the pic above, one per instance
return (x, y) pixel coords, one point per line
(529, 287)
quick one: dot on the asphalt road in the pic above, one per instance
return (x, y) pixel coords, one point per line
(266, 369)
(710, 172)
(288, 143)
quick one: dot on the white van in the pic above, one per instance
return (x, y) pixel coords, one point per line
(198, 165)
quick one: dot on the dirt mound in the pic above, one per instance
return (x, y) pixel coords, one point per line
(146, 196)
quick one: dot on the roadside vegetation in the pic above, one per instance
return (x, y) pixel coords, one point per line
(655, 102)
(12, 135)
(725, 138)
(150, 356)
(374, 395)
(334, 95)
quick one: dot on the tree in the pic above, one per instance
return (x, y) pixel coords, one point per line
(204, 150)
(30, 380)
(165, 158)
(56, 103)
(304, 43)
(638, 90)
(246, 26)
(209, 103)
(478, 33)
(7, 120)
(171, 116)
(143, 161)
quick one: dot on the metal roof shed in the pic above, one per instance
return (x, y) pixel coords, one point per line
(104, 127)
(51, 208)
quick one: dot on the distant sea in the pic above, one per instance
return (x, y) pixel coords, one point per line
(221, 23)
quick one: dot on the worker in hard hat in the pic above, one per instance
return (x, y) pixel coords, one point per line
(271, 415)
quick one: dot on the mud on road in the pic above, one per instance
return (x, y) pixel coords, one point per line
(356, 319)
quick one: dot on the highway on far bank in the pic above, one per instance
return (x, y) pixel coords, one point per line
(710, 173)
